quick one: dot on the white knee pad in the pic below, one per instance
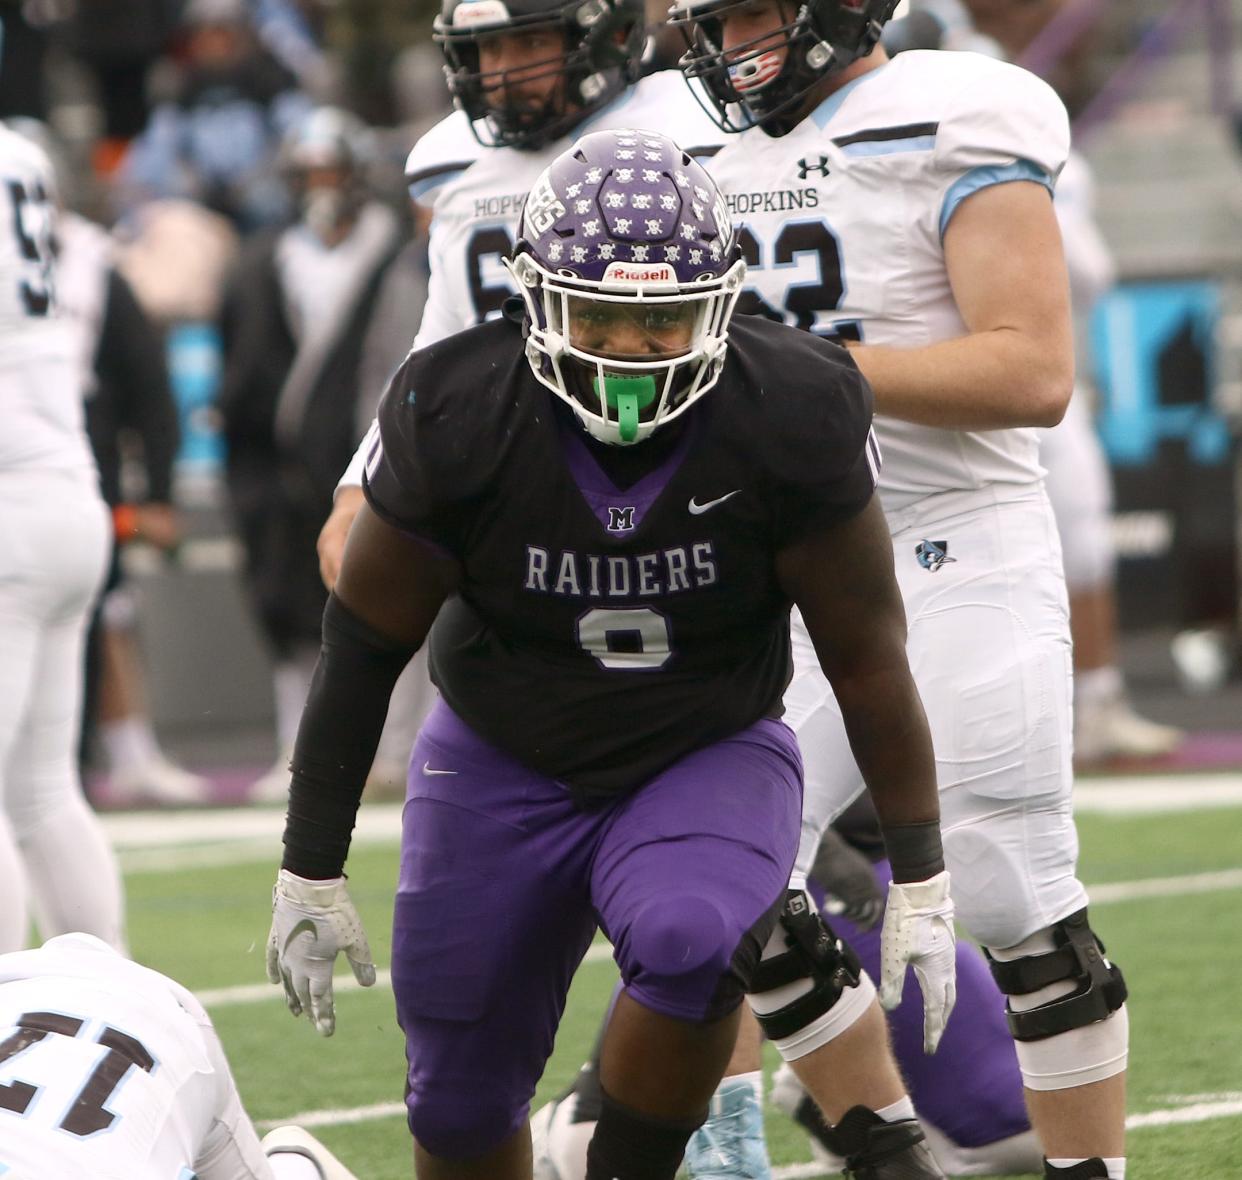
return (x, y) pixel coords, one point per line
(1078, 1056)
(803, 990)
(842, 1016)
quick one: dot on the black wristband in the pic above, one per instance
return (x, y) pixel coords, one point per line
(914, 850)
(337, 738)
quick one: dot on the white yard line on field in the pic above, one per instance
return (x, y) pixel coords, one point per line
(382, 821)
(1157, 793)
(600, 952)
(1165, 886)
(1198, 1113)
(256, 993)
(252, 993)
(158, 829)
(168, 841)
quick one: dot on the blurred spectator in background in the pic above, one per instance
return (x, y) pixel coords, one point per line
(292, 32)
(368, 39)
(1080, 487)
(25, 34)
(421, 97)
(216, 142)
(304, 312)
(117, 41)
(176, 255)
(123, 376)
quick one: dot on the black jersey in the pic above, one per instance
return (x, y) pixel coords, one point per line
(601, 633)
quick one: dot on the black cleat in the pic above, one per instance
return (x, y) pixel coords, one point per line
(876, 1150)
(1092, 1169)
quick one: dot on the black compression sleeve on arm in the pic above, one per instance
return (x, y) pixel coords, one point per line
(337, 738)
(914, 850)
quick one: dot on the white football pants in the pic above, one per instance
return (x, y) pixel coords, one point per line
(990, 651)
(54, 858)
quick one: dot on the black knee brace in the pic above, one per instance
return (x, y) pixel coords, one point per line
(1078, 958)
(814, 953)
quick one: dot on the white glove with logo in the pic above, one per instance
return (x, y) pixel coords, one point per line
(918, 931)
(312, 921)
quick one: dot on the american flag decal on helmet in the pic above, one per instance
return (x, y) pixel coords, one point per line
(755, 72)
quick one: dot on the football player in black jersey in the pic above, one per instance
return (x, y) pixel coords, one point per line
(612, 555)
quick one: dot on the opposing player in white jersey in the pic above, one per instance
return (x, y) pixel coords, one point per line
(904, 208)
(111, 1071)
(54, 857)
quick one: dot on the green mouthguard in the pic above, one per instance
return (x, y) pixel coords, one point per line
(628, 396)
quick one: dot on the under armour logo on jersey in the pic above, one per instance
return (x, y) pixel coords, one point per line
(620, 520)
(932, 554)
(809, 164)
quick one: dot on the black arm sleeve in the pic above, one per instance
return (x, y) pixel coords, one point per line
(339, 732)
(132, 362)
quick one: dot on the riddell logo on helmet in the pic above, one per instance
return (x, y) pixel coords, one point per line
(479, 12)
(626, 272)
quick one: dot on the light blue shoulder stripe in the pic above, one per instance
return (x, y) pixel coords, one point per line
(889, 147)
(985, 177)
(417, 188)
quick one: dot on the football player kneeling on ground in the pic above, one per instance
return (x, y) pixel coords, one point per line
(112, 1071)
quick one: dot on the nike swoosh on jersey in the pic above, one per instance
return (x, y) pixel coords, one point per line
(427, 769)
(697, 509)
(305, 926)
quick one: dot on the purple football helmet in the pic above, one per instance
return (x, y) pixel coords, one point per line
(630, 269)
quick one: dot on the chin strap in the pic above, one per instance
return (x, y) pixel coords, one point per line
(628, 396)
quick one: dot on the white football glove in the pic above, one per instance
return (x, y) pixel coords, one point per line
(918, 931)
(312, 921)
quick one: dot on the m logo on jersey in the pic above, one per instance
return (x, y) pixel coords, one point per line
(620, 520)
(932, 554)
(809, 164)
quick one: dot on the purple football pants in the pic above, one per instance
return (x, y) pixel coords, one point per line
(503, 882)
(970, 1088)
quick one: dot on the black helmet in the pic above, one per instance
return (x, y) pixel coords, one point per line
(603, 42)
(754, 87)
